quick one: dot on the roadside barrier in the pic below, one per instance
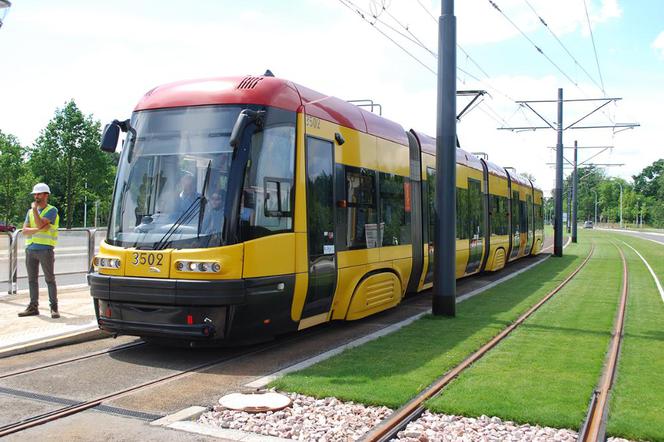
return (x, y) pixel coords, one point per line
(76, 249)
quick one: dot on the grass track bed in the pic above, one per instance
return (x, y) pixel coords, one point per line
(637, 401)
(393, 369)
(545, 372)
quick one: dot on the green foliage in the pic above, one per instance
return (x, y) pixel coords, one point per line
(15, 181)
(642, 199)
(66, 156)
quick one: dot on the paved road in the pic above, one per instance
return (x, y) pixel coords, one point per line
(652, 236)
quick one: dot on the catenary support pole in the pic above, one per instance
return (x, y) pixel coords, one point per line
(558, 222)
(569, 207)
(444, 278)
(575, 184)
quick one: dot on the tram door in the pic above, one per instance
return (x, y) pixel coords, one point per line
(516, 224)
(529, 223)
(430, 196)
(320, 227)
(475, 224)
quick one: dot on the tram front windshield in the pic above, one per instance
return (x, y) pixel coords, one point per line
(173, 179)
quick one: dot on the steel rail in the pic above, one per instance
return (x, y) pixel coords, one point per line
(594, 427)
(85, 405)
(414, 408)
(78, 358)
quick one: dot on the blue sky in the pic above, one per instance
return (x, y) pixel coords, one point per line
(105, 55)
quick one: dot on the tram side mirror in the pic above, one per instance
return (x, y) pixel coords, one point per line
(246, 117)
(110, 137)
(277, 197)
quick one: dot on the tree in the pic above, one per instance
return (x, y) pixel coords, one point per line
(15, 180)
(649, 182)
(66, 156)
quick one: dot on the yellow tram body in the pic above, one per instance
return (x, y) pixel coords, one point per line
(362, 267)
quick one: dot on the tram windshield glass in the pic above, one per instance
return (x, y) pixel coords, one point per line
(172, 180)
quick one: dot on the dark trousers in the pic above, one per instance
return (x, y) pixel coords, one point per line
(47, 260)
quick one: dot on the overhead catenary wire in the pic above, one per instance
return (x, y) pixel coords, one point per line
(592, 38)
(350, 5)
(546, 25)
(471, 59)
(497, 8)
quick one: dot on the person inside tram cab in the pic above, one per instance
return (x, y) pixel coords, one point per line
(214, 213)
(188, 194)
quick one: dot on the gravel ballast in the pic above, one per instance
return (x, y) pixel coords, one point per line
(329, 419)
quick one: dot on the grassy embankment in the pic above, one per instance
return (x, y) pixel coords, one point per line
(391, 370)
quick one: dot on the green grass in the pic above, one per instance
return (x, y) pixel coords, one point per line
(546, 370)
(653, 253)
(637, 402)
(391, 370)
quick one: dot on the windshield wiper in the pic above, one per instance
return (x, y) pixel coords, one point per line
(203, 200)
(184, 218)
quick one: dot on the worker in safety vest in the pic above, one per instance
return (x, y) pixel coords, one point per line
(41, 235)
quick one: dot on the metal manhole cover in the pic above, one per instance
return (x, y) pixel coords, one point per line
(255, 402)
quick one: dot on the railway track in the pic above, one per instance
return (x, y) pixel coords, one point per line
(74, 359)
(69, 410)
(398, 420)
(594, 428)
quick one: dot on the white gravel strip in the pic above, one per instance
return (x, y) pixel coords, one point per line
(331, 420)
(307, 419)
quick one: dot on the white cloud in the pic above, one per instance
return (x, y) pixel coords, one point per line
(658, 44)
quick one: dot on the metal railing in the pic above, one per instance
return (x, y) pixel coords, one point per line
(85, 241)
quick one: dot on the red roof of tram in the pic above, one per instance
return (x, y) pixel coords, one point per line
(271, 91)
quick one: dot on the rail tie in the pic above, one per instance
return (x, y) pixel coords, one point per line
(414, 408)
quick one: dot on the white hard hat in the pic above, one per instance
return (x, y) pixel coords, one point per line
(41, 188)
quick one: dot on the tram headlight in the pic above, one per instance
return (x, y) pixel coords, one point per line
(107, 263)
(197, 266)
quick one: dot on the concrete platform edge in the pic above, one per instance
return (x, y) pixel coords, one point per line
(55, 341)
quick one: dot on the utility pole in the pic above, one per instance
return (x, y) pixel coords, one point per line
(621, 192)
(558, 232)
(569, 209)
(558, 221)
(575, 184)
(595, 192)
(85, 206)
(96, 206)
(444, 277)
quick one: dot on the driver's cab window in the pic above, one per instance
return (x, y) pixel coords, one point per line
(267, 198)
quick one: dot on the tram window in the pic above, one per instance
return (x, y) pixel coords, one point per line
(462, 224)
(499, 215)
(320, 199)
(475, 224)
(363, 231)
(516, 224)
(539, 219)
(394, 209)
(271, 164)
(523, 216)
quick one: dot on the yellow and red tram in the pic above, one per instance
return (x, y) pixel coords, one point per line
(248, 207)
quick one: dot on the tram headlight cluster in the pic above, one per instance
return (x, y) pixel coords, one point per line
(107, 263)
(197, 266)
